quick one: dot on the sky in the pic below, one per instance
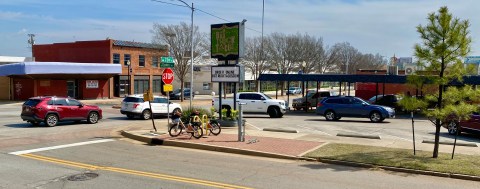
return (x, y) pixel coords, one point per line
(386, 27)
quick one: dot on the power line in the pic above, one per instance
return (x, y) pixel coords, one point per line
(210, 14)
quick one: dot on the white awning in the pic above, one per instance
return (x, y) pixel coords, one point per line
(63, 68)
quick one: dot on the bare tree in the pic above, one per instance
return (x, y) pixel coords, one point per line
(327, 60)
(347, 54)
(179, 40)
(254, 59)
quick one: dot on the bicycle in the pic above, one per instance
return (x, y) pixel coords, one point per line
(214, 127)
(179, 127)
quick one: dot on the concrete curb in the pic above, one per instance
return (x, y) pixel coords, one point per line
(157, 141)
(451, 143)
(280, 130)
(358, 135)
(399, 169)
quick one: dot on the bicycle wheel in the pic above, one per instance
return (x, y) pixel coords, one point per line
(197, 131)
(175, 130)
(215, 128)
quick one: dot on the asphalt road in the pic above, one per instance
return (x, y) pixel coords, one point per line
(123, 164)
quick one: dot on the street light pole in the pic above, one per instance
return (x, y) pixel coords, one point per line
(191, 52)
(129, 70)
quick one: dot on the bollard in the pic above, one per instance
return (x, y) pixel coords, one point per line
(241, 128)
(205, 123)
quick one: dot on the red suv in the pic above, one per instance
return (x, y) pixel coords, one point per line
(51, 110)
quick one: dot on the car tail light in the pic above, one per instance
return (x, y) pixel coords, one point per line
(319, 104)
(135, 105)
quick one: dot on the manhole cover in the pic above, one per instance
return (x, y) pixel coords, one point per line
(82, 177)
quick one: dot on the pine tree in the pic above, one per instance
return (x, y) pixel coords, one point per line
(445, 42)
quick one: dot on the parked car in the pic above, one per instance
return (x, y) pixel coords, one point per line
(176, 95)
(334, 108)
(310, 99)
(294, 90)
(470, 126)
(255, 103)
(390, 100)
(52, 109)
(134, 105)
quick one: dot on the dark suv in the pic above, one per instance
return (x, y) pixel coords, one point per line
(177, 95)
(52, 110)
(333, 108)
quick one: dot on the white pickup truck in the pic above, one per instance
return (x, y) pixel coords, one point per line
(255, 102)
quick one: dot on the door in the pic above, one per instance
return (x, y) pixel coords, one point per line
(76, 110)
(71, 88)
(159, 106)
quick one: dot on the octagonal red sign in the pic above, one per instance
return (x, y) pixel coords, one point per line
(167, 76)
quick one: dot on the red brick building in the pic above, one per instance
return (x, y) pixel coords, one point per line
(144, 59)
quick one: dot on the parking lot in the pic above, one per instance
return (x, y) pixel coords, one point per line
(395, 132)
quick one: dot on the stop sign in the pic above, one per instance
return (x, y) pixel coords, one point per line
(167, 76)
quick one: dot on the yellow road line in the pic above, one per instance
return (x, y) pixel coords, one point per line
(133, 172)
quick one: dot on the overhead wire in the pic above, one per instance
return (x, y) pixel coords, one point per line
(205, 12)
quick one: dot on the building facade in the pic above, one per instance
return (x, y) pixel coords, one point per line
(140, 64)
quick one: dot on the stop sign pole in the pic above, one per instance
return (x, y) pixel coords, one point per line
(167, 78)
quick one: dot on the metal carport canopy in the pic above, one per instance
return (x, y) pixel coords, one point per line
(333, 77)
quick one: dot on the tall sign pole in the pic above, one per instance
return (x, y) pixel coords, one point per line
(167, 78)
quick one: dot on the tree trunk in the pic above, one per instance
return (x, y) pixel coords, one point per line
(438, 123)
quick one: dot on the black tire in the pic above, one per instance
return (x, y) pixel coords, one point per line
(197, 132)
(376, 117)
(146, 114)
(337, 118)
(130, 116)
(330, 115)
(175, 130)
(280, 114)
(215, 128)
(452, 128)
(273, 112)
(93, 117)
(51, 120)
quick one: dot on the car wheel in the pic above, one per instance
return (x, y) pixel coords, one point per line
(337, 118)
(92, 117)
(452, 127)
(51, 120)
(272, 112)
(376, 117)
(130, 116)
(330, 115)
(146, 114)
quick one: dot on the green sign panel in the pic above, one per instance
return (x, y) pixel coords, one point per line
(167, 65)
(227, 41)
(167, 59)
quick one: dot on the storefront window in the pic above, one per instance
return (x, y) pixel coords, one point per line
(141, 84)
(157, 84)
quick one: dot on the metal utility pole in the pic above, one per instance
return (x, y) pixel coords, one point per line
(31, 41)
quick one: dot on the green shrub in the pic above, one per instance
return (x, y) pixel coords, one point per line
(186, 113)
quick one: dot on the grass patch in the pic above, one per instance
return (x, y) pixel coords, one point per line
(394, 157)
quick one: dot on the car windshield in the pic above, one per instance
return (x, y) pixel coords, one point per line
(292, 88)
(266, 96)
(372, 99)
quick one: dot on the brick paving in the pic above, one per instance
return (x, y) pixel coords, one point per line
(254, 143)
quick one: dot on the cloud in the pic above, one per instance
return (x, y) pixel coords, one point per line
(22, 31)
